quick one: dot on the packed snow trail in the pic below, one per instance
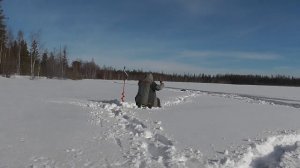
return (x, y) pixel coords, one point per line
(143, 143)
(245, 97)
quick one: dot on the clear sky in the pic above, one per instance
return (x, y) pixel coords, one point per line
(181, 36)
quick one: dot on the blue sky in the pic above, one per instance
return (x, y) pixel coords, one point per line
(180, 36)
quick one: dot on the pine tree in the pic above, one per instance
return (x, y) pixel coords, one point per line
(9, 58)
(20, 39)
(64, 62)
(25, 58)
(2, 38)
(34, 53)
(44, 64)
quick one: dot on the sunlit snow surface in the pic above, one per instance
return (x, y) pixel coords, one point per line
(65, 123)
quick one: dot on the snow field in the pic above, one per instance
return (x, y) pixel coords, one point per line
(62, 124)
(269, 153)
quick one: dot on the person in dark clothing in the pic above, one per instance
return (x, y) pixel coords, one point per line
(146, 96)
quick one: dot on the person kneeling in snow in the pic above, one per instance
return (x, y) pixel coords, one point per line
(146, 96)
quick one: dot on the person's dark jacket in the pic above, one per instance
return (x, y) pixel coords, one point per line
(146, 95)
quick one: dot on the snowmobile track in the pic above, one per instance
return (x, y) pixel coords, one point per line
(248, 98)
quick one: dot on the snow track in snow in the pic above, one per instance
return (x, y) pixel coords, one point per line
(191, 93)
(143, 143)
(259, 99)
(181, 99)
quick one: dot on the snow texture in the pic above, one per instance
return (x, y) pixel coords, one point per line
(63, 123)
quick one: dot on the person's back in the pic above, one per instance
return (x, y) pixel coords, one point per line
(146, 95)
(142, 96)
(153, 101)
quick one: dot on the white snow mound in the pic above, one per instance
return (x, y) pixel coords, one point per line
(276, 151)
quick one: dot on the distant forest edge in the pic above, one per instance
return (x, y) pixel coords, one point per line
(17, 56)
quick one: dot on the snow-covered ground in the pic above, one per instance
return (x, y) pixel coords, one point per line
(82, 124)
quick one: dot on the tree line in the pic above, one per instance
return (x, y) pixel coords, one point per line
(18, 56)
